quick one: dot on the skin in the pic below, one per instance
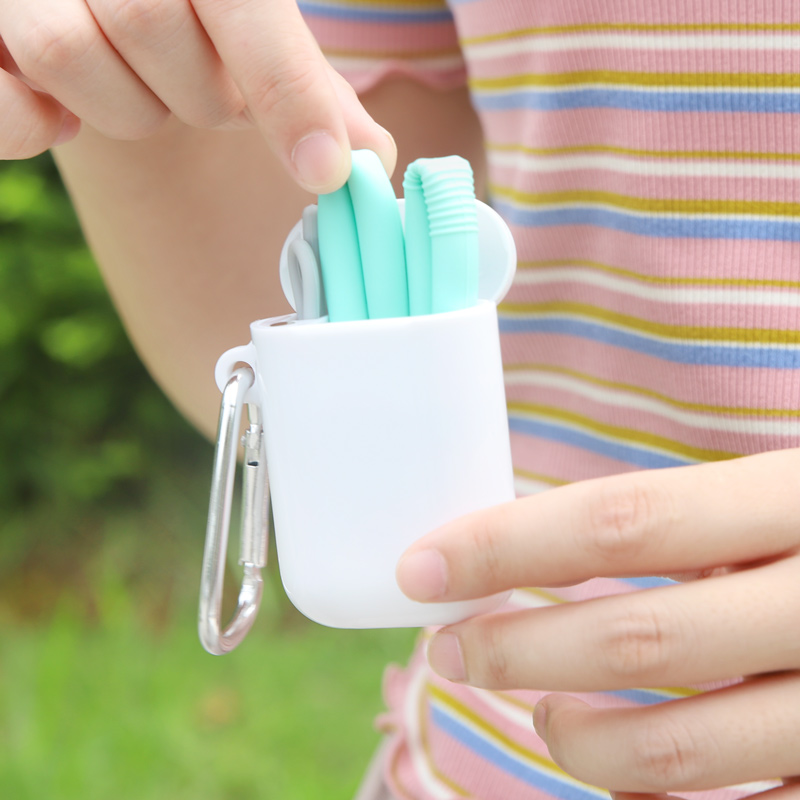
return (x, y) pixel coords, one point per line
(729, 530)
(176, 127)
(189, 133)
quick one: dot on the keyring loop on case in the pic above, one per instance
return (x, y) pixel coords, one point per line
(255, 519)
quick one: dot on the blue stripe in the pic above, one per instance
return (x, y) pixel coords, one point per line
(762, 102)
(699, 227)
(714, 355)
(641, 697)
(594, 444)
(502, 760)
(373, 14)
(649, 583)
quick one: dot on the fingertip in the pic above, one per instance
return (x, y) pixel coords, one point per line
(446, 657)
(70, 128)
(321, 165)
(551, 705)
(422, 575)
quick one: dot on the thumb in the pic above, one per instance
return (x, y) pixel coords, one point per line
(287, 85)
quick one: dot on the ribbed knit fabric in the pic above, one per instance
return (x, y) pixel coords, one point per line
(646, 154)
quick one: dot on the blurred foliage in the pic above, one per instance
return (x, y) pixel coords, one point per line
(82, 425)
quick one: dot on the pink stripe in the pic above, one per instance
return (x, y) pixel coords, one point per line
(562, 461)
(656, 187)
(667, 258)
(707, 385)
(714, 132)
(473, 19)
(735, 440)
(768, 60)
(481, 778)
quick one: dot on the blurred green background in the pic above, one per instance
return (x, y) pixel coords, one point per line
(104, 688)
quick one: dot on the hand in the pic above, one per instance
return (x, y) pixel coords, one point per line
(733, 526)
(125, 66)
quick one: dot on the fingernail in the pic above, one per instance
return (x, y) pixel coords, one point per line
(69, 130)
(540, 719)
(390, 165)
(422, 575)
(389, 136)
(319, 161)
(446, 658)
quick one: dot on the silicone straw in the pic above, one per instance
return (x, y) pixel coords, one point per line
(340, 257)
(418, 248)
(380, 237)
(441, 235)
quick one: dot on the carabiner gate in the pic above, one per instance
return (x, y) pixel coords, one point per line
(255, 519)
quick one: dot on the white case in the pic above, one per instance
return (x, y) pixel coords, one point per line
(377, 432)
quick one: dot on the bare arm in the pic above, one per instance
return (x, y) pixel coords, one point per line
(187, 227)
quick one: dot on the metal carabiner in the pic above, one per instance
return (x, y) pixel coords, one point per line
(255, 519)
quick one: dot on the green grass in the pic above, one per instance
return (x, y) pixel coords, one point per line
(100, 698)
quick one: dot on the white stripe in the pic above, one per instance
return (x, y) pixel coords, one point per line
(729, 296)
(627, 400)
(757, 786)
(526, 486)
(422, 769)
(632, 165)
(369, 63)
(591, 40)
(523, 599)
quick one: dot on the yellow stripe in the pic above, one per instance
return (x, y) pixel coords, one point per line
(680, 691)
(649, 205)
(543, 594)
(617, 27)
(489, 729)
(662, 398)
(680, 80)
(722, 155)
(426, 748)
(621, 434)
(538, 476)
(683, 333)
(667, 281)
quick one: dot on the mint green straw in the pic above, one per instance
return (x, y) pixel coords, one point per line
(340, 257)
(362, 249)
(441, 228)
(380, 237)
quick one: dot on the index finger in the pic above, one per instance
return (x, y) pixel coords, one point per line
(278, 67)
(646, 523)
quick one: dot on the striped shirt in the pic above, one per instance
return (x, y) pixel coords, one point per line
(646, 155)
